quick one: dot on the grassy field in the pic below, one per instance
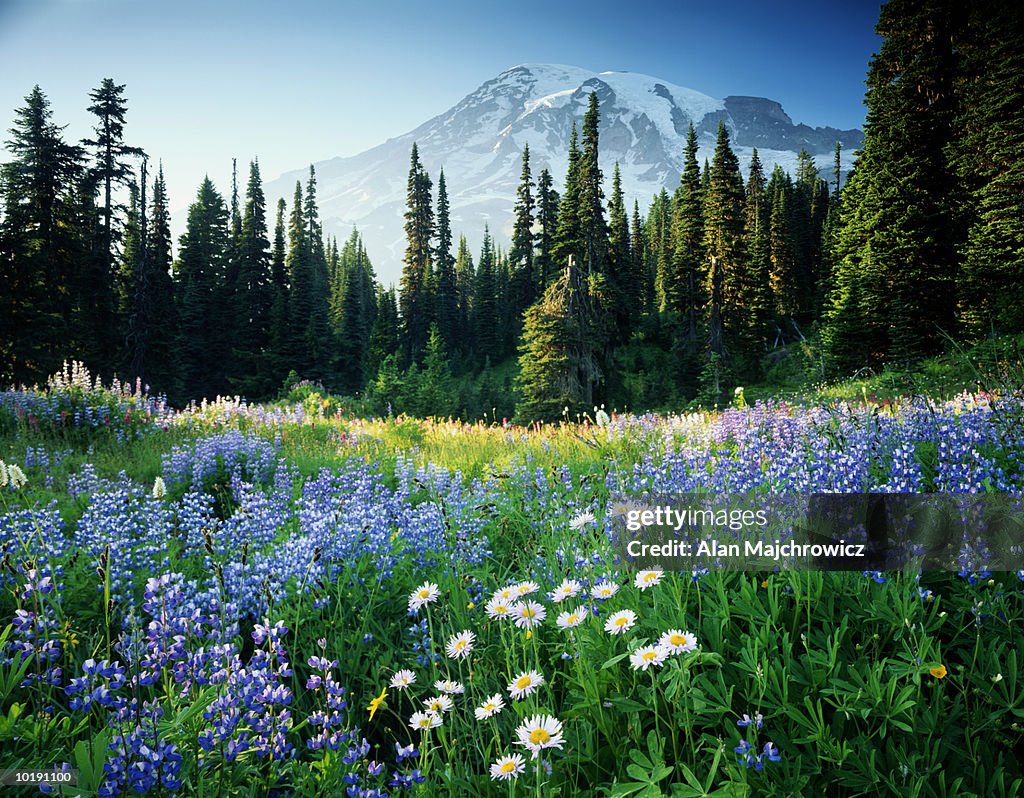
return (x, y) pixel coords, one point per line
(237, 600)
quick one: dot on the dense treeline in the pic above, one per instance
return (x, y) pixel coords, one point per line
(592, 303)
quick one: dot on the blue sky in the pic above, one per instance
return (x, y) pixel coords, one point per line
(305, 80)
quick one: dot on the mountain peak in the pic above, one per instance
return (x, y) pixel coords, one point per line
(479, 143)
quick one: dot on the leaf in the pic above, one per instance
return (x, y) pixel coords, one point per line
(617, 658)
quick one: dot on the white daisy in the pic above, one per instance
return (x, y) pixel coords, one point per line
(620, 621)
(425, 721)
(489, 708)
(604, 590)
(646, 579)
(499, 607)
(677, 642)
(539, 732)
(426, 593)
(526, 683)
(582, 520)
(568, 589)
(402, 679)
(460, 645)
(449, 687)
(646, 656)
(528, 614)
(525, 588)
(507, 767)
(507, 594)
(439, 704)
(570, 620)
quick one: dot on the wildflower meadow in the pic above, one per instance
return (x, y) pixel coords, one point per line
(243, 600)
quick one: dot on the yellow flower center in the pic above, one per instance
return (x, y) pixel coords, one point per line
(572, 619)
(500, 609)
(423, 594)
(650, 577)
(528, 612)
(508, 767)
(677, 640)
(523, 682)
(489, 707)
(460, 645)
(539, 736)
(620, 622)
(649, 656)
(425, 723)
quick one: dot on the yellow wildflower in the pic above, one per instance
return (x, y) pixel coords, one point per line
(939, 672)
(376, 702)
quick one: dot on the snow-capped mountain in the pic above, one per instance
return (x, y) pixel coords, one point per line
(479, 145)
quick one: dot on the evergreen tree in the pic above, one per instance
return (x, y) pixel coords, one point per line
(753, 292)
(901, 224)
(988, 156)
(447, 310)
(783, 275)
(358, 313)
(592, 226)
(547, 223)
(726, 256)
(465, 278)
(415, 300)
(384, 333)
(279, 330)
(200, 281)
(311, 302)
(624, 283)
(559, 364)
(684, 294)
(254, 295)
(522, 282)
(638, 250)
(160, 367)
(568, 235)
(112, 170)
(436, 388)
(41, 245)
(485, 304)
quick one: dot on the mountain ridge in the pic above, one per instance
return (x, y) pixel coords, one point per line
(479, 141)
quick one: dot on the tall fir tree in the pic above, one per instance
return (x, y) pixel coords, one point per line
(254, 295)
(523, 282)
(686, 293)
(726, 256)
(161, 366)
(753, 291)
(485, 304)
(43, 226)
(279, 329)
(624, 283)
(112, 170)
(202, 254)
(988, 157)
(547, 223)
(568, 235)
(592, 225)
(902, 227)
(465, 277)
(415, 300)
(447, 301)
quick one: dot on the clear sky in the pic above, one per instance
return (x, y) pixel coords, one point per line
(297, 81)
